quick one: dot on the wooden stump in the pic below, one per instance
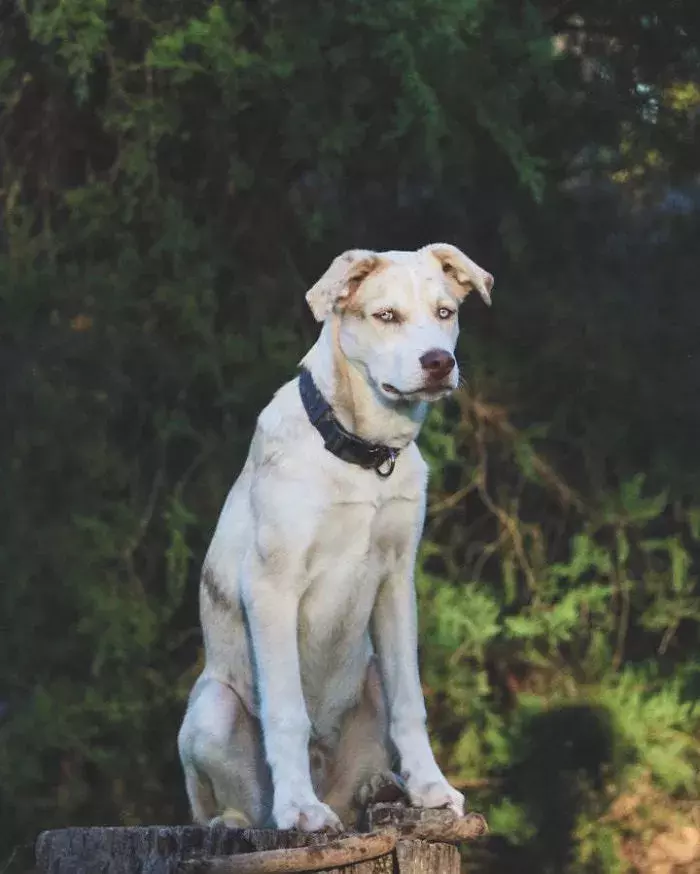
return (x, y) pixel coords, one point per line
(403, 840)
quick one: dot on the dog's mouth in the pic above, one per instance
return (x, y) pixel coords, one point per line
(424, 393)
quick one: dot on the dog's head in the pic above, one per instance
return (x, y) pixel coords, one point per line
(397, 315)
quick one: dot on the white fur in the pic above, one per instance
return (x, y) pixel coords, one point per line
(307, 600)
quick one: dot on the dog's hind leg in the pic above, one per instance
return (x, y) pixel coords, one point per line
(200, 794)
(221, 751)
(361, 772)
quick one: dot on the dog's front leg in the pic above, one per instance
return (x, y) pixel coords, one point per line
(395, 637)
(272, 610)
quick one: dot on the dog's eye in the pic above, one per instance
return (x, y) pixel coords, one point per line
(445, 313)
(386, 316)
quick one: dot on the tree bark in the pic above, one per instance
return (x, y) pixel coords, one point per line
(403, 840)
(427, 825)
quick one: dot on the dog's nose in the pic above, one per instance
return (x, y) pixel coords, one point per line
(437, 363)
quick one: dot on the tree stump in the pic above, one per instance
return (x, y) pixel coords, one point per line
(401, 839)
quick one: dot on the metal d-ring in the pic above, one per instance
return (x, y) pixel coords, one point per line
(390, 462)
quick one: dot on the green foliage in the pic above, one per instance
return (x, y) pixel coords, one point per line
(584, 613)
(172, 179)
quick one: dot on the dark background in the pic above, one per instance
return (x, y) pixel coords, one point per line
(174, 176)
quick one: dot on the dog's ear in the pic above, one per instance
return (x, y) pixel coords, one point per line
(462, 273)
(340, 281)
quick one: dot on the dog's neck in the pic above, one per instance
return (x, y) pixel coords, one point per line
(356, 402)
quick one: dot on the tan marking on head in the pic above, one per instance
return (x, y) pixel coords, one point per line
(462, 273)
(340, 282)
(353, 304)
(342, 396)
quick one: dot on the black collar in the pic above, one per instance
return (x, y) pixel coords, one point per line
(337, 440)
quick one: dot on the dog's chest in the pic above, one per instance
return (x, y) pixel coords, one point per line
(356, 549)
(357, 546)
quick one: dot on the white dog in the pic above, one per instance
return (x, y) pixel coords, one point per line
(311, 689)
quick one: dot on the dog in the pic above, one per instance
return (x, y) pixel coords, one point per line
(310, 692)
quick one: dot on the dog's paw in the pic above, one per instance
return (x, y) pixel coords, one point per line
(306, 816)
(230, 819)
(384, 787)
(436, 795)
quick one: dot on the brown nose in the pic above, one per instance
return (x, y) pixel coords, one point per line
(437, 364)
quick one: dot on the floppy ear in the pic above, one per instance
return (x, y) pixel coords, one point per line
(340, 281)
(462, 273)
